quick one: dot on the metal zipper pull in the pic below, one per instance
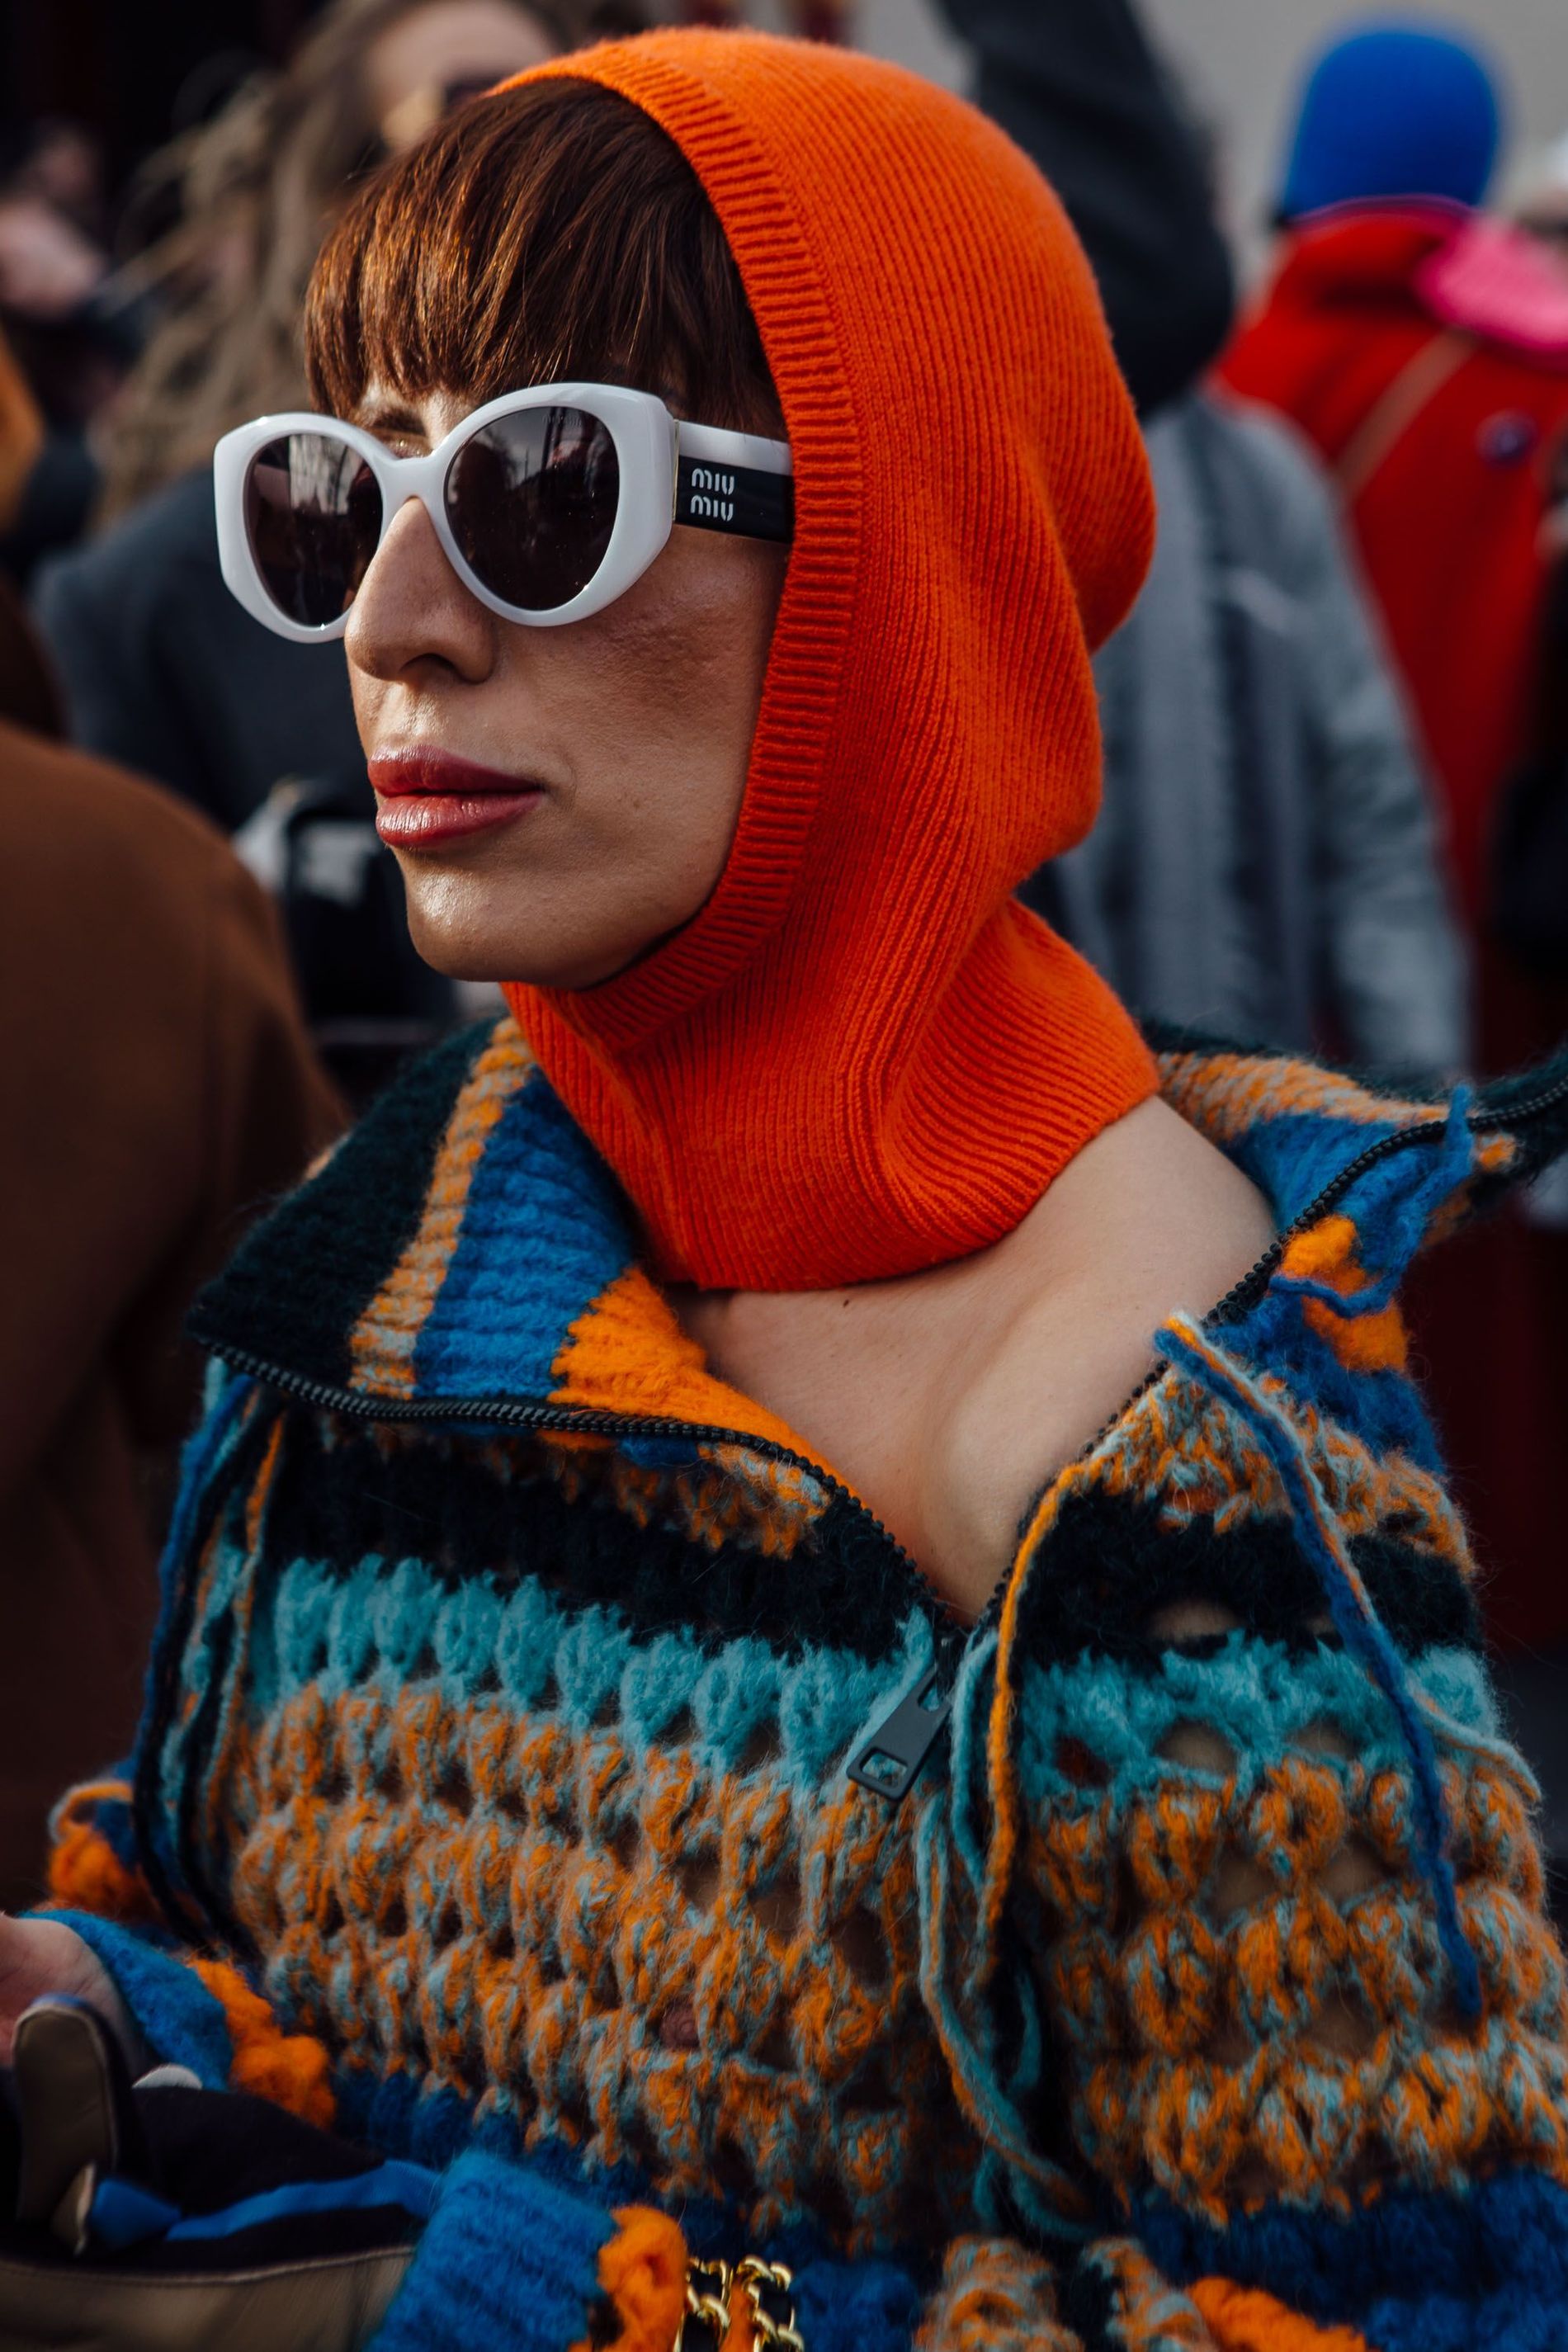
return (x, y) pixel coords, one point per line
(889, 1761)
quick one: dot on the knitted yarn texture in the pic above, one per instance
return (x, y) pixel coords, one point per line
(863, 1056)
(492, 1787)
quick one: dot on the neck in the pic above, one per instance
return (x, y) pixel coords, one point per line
(788, 1133)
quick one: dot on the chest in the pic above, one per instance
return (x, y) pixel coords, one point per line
(945, 1404)
(534, 1808)
(949, 1399)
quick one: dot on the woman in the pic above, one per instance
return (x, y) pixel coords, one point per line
(640, 1444)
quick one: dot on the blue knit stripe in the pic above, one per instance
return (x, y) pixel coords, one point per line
(1395, 2264)
(209, 1447)
(1293, 1156)
(856, 2307)
(1382, 1409)
(1393, 1218)
(544, 1234)
(180, 2020)
(508, 2263)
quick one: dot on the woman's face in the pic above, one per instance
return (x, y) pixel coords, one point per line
(623, 741)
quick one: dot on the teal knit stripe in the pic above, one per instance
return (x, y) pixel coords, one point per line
(1258, 1696)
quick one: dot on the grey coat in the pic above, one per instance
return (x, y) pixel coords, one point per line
(1267, 863)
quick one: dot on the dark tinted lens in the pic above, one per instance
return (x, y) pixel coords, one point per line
(532, 501)
(314, 511)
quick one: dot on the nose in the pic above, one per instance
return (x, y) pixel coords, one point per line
(413, 610)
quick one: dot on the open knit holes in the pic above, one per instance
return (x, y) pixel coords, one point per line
(624, 1841)
(777, 2049)
(1283, 1841)
(1198, 1749)
(764, 1746)
(777, 1909)
(860, 1940)
(699, 1877)
(1191, 1626)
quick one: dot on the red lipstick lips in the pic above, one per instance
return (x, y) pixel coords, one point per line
(425, 798)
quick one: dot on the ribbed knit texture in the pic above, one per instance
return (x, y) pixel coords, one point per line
(510, 2263)
(863, 1057)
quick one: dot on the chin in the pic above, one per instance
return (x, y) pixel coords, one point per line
(460, 954)
(537, 938)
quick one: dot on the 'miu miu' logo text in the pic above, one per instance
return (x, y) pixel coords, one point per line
(720, 502)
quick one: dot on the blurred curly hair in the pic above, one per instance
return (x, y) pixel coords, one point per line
(254, 192)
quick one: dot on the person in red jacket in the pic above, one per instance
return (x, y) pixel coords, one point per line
(1422, 347)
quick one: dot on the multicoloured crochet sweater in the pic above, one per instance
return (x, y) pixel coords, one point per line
(545, 1757)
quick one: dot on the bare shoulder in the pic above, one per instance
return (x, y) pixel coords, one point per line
(947, 1399)
(1148, 1221)
(1153, 1201)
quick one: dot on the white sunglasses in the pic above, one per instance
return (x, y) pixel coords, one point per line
(549, 503)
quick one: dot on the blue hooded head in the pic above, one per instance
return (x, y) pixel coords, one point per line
(1393, 108)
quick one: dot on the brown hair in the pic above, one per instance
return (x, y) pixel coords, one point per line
(550, 232)
(255, 191)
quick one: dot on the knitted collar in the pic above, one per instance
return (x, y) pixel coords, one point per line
(863, 1056)
(467, 1241)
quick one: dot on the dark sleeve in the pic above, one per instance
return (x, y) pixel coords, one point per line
(118, 701)
(55, 504)
(1075, 83)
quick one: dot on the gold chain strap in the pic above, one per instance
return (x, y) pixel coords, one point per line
(708, 2289)
(760, 2278)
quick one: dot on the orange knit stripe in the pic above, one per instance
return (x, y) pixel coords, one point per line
(1226, 1094)
(629, 1354)
(642, 2269)
(1000, 1779)
(291, 2069)
(1245, 2319)
(85, 1873)
(1363, 1343)
(381, 1345)
(256, 1503)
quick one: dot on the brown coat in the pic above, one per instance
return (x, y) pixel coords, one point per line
(156, 1087)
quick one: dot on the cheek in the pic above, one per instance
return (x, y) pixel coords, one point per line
(368, 693)
(663, 706)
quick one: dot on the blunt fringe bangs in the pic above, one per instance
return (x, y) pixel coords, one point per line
(543, 234)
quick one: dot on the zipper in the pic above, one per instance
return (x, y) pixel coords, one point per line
(889, 1759)
(890, 1756)
(1244, 1294)
(582, 1421)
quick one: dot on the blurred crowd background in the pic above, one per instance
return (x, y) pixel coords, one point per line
(1334, 255)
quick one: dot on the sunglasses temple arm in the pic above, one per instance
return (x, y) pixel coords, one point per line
(740, 500)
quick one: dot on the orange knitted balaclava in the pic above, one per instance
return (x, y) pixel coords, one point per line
(864, 1057)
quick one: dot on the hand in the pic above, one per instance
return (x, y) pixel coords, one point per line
(39, 1957)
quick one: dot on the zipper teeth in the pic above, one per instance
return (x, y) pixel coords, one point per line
(1483, 1120)
(1243, 1292)
(585, 1421)
(1240, 1295)
(596, 1420)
